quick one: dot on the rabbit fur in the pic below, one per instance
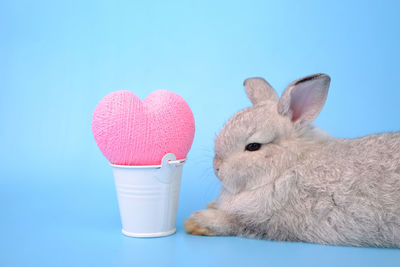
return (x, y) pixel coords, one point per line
(302, 184)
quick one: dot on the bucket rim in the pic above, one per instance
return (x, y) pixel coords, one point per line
(171, 162)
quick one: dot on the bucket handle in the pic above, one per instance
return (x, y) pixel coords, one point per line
(168, 165)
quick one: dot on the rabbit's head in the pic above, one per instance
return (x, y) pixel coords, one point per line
(258, 143)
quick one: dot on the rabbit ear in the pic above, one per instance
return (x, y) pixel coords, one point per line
(259, 90)
(303, 99)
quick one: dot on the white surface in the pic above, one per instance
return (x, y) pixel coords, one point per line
(148, 197)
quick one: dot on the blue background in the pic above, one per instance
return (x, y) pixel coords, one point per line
(58, 59)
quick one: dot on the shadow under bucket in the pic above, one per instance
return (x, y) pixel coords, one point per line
(148, 197)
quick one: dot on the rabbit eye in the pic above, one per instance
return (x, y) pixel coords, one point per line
(253, 146)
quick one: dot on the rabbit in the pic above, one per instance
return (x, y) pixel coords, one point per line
(283, 179)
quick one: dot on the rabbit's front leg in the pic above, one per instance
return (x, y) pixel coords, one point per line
(210, 222)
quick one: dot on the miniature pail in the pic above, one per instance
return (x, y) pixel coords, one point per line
(148, 197)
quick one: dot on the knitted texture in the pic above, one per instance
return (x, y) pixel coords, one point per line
(131, 132)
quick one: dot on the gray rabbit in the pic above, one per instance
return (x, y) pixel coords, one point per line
(282, 179)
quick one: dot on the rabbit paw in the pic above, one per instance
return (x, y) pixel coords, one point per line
(213, 205)
(196, 224)
(211, 222)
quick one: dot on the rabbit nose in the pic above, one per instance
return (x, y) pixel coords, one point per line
(217, 162)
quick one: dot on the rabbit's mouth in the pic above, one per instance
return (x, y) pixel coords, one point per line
(216, 172)
(217, 167)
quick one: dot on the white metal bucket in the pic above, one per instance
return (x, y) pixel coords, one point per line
(148, 197)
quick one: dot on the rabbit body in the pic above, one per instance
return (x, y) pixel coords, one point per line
(301, 184)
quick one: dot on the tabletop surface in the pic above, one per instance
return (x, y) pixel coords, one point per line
(62, 224)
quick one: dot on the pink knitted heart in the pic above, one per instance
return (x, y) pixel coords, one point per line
(131, 132)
